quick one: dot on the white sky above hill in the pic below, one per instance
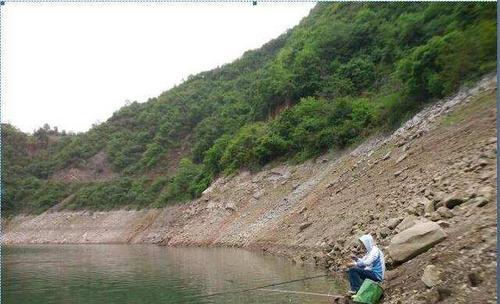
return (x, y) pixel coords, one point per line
(72, 65)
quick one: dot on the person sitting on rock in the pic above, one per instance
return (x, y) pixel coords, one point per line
(371, 265)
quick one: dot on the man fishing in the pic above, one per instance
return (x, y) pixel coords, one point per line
(370, 266)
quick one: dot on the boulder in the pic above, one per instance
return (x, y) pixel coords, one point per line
(415, 240)
(431, 276)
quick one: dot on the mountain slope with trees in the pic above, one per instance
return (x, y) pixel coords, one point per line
(347, 71)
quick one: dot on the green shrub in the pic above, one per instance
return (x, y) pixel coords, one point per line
(241, 150)
(188, 183)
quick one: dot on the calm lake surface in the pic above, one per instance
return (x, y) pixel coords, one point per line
(152, 274)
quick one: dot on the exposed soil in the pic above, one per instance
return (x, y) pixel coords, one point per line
(96, 169)
(315, 211)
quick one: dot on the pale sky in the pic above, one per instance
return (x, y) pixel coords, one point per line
(71, 65)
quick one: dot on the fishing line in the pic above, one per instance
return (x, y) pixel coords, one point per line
(303, 293)
(259, 287)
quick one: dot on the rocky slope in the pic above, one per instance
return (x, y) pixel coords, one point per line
(427, 192)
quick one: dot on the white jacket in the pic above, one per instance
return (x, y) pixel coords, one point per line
(374, 258)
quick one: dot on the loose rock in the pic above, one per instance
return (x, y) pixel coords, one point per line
(480, 201)
(453, 200)
(443, 224)
(431, 276)
(487, 192)
(304, 226)
(435, 216)
(474, 279)
(231, 207)
(398, 173)
(444, 212)
(428, 206)
(401, 158)
(443, 293)
(392, 223)
(384, 232)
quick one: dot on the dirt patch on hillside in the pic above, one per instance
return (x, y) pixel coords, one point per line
(96, 169)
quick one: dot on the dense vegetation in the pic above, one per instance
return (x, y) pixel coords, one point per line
(346, 71)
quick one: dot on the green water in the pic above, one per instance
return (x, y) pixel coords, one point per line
(151, 274)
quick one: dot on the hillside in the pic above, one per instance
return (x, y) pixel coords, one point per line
(345, 73)
(437, 170)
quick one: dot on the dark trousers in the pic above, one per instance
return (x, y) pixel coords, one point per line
(357, 276)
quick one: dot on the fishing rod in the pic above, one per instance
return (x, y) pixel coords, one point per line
(260, 287)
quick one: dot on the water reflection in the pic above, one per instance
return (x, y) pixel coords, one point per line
(150, 274)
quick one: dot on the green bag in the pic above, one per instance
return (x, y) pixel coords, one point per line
(370, 292)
